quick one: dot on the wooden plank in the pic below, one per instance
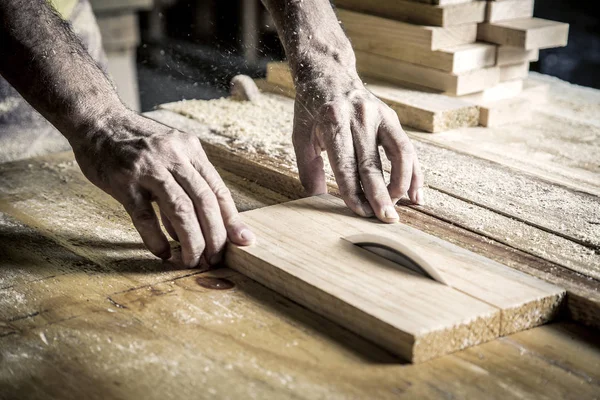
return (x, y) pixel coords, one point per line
(501, 91)
(420, 13)
(388, 69)
(524, 246)
(386, 36)
(508, 55)
(442, 2)
(422, 110)
(502, 112)
(515, 71)
(528, 33)
(119, 31)
(397, 309)
(508, 9)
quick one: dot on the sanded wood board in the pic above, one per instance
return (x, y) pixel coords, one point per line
(428, 111)
(508, 55)
(388, 69)
(508, 9)
(385, 36)
(501, 91)
(420, 13)
(404, 312)
(527, 33)
(515, 71)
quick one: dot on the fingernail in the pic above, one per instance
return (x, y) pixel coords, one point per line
(420, 198)
(216, 259)
(247, 236)
(390, 213)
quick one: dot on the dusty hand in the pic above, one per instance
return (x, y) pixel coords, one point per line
(335, 113)
(138, 161)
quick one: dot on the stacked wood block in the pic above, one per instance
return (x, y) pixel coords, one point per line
(431, 60)
(432, 44)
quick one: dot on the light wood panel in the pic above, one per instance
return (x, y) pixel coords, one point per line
(391, 70)
(528, 33)
(408, 314)
(508, 55)
(508, 9)
(430, 112)
(386, 36)
(420, 13)
(501, 91)
(512, 72)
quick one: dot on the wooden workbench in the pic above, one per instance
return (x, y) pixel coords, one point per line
(86, 312)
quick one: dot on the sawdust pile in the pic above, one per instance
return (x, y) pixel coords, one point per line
(263, 127)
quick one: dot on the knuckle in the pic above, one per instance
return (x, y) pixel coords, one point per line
(334, 112)
(181, 205)
(369, 165)
(222, 192)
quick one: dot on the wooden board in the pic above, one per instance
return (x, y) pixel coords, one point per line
(528, 33)
(501, 91)
(505, 111)
(388, 69)
(420, 13)
(386, 36)
(552, 245)
(409, 315)
(508, 55)
(515, 71)
(430, 112)
(508, 9)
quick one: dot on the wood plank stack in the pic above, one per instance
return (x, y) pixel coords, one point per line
(450, 53)
(478, 51)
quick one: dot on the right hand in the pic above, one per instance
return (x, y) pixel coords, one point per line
(137, 161)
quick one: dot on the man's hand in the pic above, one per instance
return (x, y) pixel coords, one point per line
(349, 123)
(335, 113)
(137, 161)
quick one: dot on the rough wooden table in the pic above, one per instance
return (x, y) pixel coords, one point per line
(85, 312)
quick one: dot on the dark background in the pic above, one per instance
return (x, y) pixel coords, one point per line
(192, 48)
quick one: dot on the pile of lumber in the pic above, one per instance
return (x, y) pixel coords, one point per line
(446, 64)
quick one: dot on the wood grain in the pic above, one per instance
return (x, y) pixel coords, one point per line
(388, 69)
(386, 36)
(514, 71)
(409, 315)
(508, 55)
(508, 10)
(420, 13)
(527, 33)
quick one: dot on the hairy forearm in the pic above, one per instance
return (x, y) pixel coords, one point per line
(315, 44)
(43, 59)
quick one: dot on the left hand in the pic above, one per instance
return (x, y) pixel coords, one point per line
(337, 114)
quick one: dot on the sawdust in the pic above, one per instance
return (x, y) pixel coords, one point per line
(263, 126)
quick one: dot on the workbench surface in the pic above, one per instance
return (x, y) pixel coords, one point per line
(86, 312)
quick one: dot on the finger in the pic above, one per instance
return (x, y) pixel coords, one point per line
(337, 137)
(179, 209)
(308, 158)
(168, 226)
(415, 192)
(237, 231)
(207, 210)
(401, 154)
(370, 169)
(139, 208)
